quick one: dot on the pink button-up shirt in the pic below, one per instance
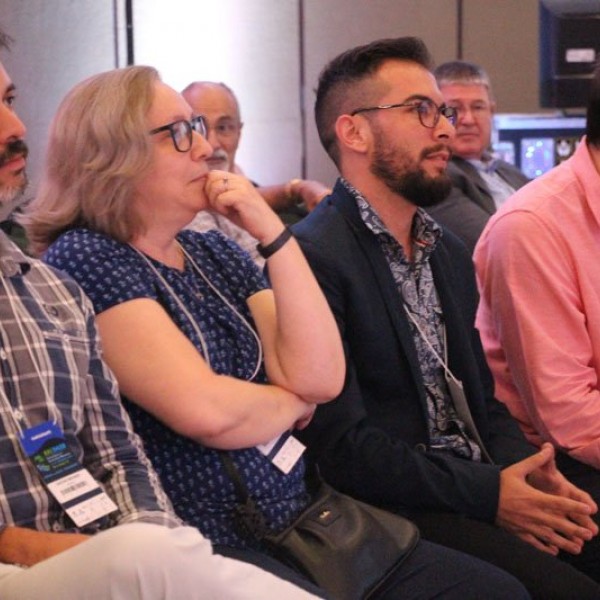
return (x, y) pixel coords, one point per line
(538, 271)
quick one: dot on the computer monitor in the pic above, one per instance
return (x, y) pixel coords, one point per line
(535, 143)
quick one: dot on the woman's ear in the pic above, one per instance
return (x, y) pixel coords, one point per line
(353, 133)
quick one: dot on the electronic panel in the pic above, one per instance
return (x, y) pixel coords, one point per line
(536, 143)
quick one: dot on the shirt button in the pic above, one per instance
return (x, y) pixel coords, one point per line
(420, 447)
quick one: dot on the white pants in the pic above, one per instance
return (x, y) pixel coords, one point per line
(143, 562)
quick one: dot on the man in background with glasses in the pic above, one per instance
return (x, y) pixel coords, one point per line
(417, 428)
(218, 104)
(481, 182)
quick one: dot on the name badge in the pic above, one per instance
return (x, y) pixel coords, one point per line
(284, 452)
(67, 480)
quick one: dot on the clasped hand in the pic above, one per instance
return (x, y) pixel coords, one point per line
(538, 504)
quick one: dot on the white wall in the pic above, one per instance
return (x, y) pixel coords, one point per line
(253, 47)
(57, 43)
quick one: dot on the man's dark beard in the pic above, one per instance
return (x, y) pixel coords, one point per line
(13, 149)
(408, 180)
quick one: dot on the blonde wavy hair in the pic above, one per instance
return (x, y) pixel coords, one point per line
(98, 150)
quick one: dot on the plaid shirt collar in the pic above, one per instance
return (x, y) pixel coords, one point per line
(12, 260)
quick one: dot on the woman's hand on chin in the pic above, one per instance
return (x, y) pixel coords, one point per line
(236, 198)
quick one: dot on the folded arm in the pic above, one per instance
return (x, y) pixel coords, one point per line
(113, 453)
(159, 369)
(303, 350)
(283, 196)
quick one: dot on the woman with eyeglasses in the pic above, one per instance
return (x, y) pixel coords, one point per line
(206, 352)
(208, 355)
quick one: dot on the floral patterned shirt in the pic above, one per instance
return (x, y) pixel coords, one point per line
(416, 287)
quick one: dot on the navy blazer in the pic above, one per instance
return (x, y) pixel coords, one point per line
(470, 203)
(372, 441)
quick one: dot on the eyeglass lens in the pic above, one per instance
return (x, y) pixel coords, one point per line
(429, 113)
(182, 132)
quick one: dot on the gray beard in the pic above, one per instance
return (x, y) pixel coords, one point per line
(10, 198)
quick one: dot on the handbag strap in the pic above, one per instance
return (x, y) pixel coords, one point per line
(249, 518)
(234, 475)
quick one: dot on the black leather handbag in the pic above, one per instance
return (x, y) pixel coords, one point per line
(347, 547)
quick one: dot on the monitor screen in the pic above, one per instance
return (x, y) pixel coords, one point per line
(537, 156)
(540, 154)
(536, 143)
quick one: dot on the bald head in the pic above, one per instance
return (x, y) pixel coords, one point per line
(218, 104)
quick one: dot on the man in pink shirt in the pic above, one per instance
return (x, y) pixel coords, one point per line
(539, 314)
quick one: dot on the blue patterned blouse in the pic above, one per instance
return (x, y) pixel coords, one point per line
(201, 491)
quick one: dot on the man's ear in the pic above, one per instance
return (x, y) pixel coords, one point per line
(353, 133)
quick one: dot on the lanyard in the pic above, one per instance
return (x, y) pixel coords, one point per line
(455, 388)
(191, 319)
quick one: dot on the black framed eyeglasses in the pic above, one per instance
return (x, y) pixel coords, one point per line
(427, 110)
(181, 132)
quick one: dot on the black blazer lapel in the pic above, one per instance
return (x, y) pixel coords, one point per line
(483, 199)
(369, 245)
(512, 175)
(461, 359)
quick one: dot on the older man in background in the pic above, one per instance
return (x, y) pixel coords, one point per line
(481, 182)
(218, 104)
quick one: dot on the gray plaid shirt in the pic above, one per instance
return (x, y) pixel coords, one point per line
(62, 377)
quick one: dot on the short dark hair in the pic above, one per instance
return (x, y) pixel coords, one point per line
(339, 90)
(592, 128)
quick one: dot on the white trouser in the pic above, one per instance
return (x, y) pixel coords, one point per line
(143, 562)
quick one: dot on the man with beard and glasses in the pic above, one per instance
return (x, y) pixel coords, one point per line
(416, 428)
(221, 110)
(82, 513)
